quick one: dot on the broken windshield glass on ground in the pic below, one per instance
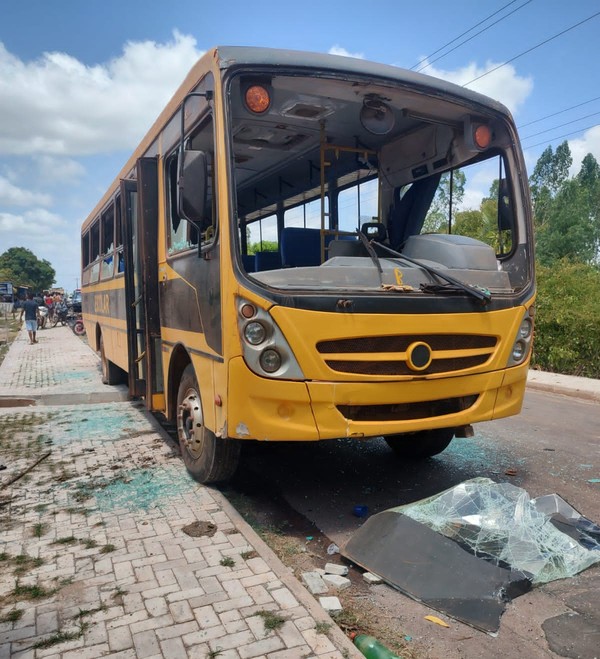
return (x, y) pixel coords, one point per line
(471, 549)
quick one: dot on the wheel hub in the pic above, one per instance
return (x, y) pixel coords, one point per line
(190, 422)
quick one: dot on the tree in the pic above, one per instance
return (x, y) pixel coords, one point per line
(22, 267)
(549, 174)
(439, 212)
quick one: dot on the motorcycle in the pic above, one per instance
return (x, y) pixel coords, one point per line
(60, 315)
(75, 322)
(42, 317)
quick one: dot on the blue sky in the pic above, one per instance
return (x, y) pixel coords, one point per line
(81, 81)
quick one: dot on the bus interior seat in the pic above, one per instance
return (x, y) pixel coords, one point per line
(345, 246)
(249, 262)
(267, 261)
(302, 247)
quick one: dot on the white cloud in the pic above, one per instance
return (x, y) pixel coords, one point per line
(36, 222)
(504, 85)
(57, 170)
(58, 106)
(338, 50)
(580, 147)
(11, 195)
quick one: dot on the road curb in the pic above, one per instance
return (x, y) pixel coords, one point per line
(563, 390)
(287, 576)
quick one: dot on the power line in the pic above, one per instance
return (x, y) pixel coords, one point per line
(435, 52)
(512, 59)
(573, 107)
(541, 132)
(558, 137)
(472, 36)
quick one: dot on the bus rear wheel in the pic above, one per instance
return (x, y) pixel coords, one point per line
(207, 458)
(422, 444)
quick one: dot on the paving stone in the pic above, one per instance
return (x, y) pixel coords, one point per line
(165, 594)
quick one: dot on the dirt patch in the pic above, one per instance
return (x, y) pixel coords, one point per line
(198, 529)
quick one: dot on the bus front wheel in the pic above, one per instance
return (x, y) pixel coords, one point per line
(208, 459)
(422, 444)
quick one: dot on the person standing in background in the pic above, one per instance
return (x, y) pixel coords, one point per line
(30, 309)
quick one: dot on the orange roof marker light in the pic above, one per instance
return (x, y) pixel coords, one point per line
(482, 135)
(258, 99)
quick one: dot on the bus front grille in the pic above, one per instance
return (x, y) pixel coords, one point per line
(382, 355)
(407, 411)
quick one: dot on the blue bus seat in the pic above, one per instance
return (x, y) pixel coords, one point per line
(267, 261)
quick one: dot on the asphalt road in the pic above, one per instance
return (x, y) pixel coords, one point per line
(553, 446)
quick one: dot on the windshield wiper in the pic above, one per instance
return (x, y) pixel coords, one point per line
(372, 253)
(481, 294)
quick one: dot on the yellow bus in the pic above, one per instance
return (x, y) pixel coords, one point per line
(306, 247)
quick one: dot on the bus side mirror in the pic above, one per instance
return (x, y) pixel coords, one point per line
(192, 183)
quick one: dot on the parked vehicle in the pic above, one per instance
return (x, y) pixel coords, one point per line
(75, 322)
(60, 314)
(76, 301)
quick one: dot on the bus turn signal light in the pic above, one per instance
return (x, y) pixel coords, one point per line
(482, 136)
(257, 99)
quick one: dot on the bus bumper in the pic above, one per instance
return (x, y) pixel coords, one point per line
(307, 411)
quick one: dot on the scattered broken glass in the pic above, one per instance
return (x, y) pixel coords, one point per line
(474, 547)
(545, 538)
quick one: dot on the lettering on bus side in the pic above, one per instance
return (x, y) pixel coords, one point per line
(102, 304)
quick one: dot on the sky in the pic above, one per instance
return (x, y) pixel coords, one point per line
(81, 81)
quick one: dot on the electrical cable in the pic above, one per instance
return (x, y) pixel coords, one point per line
(512, 59)
(572, 107)
(541, 132)
(472, 36)
(435, 52)
(558, 137)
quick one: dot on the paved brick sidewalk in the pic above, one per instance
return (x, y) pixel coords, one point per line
(94, 560)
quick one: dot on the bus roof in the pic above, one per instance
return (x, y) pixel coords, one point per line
(231, 57)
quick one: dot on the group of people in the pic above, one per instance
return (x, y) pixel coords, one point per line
(30, 310)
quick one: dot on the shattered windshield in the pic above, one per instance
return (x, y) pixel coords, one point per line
(471, 549)
(499, 522)
(328, 158)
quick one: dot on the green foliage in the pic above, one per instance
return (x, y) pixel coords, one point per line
(263, 246)
(22, 267)
(437, 217)
(567, 332)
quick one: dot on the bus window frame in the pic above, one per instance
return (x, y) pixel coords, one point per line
(171, 172)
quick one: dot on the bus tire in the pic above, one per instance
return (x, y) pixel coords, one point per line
(208, 459)
(111, 373)
(420, 445)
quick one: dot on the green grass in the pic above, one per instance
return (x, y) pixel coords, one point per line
(55, 639)
(106, 549)
(272, 621)
(27, 592)
(38, 530)
(227, 561)
(12, 616)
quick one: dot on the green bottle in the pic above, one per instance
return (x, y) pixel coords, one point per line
(372, 648)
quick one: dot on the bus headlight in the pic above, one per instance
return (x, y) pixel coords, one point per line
(519, 351)
(526, 328)
(522, 343)
(270, 360)
(255, 333)
(264, 347)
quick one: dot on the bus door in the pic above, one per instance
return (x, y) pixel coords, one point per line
(139, 211)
